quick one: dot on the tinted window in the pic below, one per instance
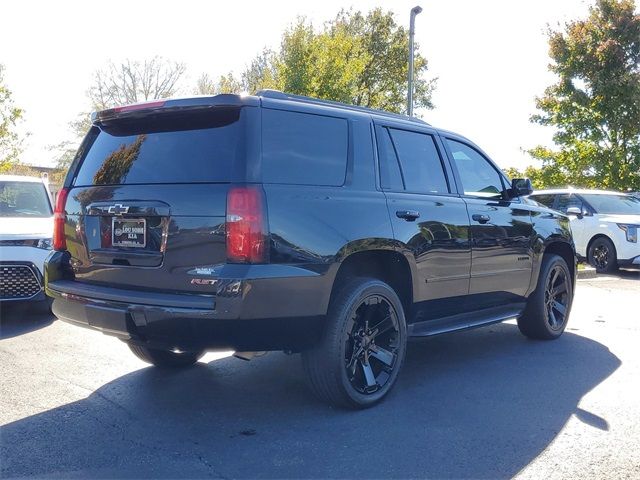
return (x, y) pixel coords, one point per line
(479, 177)
(421, 166)
(303, 149)
(614, 204)
(546, 200)
(390, 176)
(567, 201)
(168, 148)
(24, 199)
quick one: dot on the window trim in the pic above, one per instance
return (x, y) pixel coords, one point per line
(451, 186)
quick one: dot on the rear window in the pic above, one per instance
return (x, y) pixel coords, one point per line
(421, 165)
(167, 148)
(24, 199)
(303, 149)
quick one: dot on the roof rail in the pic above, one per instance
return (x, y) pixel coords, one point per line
(277, 94)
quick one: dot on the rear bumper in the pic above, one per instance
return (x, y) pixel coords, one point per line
(274, 311)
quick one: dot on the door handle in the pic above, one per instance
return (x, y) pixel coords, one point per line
(408, 215)
(481, 218)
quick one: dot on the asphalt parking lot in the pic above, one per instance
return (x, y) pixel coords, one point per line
(479, 404)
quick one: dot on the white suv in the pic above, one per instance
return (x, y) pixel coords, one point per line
(605, 224)
(26, 228)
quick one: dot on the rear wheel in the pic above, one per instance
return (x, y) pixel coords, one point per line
(165, 358)
(602, 255)
(362, 350)
(548, 308)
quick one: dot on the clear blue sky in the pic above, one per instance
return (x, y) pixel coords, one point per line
(490, 56)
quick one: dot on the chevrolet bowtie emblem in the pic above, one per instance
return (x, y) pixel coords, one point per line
(118, 209)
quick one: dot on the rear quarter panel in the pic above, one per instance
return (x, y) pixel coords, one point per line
(316, 227)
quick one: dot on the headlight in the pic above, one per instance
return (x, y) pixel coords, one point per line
(631, 231)
(45, 243)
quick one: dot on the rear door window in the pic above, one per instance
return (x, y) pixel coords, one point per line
(390, 174)
(422, 168)
(166, 148)
(303, 149)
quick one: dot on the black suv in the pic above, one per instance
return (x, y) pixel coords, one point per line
(279, 222)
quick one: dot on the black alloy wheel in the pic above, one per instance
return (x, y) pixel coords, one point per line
(556, 298)
(549, 306)
(371, 344)
(361, 352)
(602, 255)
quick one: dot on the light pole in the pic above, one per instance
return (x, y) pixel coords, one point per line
(412, 27)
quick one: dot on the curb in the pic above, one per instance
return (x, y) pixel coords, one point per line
(587, 272)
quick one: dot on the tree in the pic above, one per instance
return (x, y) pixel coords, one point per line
(225, 84)
(595, 103)
(536, 175)
(135, 81)
(355, 58)
(10, 116)
(131, 81)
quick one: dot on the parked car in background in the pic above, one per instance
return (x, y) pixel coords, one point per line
(605, 224)
(279, 222)
(26, 230)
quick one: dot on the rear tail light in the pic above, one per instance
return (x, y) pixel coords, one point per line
(246, 227)
(59, 219)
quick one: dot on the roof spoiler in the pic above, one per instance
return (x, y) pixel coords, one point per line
(177, 105)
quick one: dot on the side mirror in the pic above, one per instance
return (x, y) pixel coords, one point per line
(521, 187)
(577, 211)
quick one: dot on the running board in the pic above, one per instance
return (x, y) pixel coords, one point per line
(463, 321)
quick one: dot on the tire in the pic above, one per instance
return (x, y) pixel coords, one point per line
(165, 358)
(548, 308)
(355, 364)
(602, 255)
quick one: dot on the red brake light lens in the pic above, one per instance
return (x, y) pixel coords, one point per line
(139, 106)
(246, 225)
(59, 219)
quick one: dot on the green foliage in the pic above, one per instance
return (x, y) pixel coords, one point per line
(540, 178)
(10, 116)
(225, 84)
(356, 58)
(595, 104)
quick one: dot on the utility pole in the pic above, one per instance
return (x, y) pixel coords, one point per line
(412, 27)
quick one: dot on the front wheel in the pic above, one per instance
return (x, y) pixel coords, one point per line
(548, 308)
(165, 358)
(602, 255)
(358, 359)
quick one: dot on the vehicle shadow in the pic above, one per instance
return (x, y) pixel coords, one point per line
(479, 404)
(23, 317)
(628, 274)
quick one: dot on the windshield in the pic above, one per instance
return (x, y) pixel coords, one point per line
(24, 199)
(614, 204)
